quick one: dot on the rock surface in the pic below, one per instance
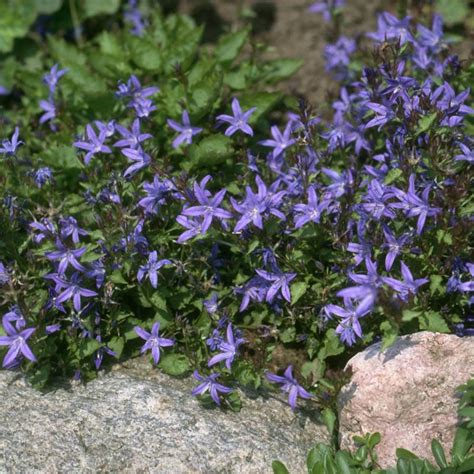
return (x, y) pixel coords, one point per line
(407, 393)
(137, 420)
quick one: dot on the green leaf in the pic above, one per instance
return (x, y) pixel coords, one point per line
(467, 465)
(389, 334)
(117, 278)
(342, 463)
(230, 45)
(438, 453)
(410, 315)
(405, 454)
(329, 418)
(263, 101)
(434, 322)
(332, 345)
(279, 468)
(313, 457)
(288, 335)
(463, 441)
(87, 347)
(426, 122)
(436, 284)
(117, 344)
(101, 7)
(144, 53)
(393, 175)
(47, 7)
(453, 11)
(298, 289)
(16, 16)
(211, 151)
(39, 378)
(174, 364)
(279, 69)
(374, 439)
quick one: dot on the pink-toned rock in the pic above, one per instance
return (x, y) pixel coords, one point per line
(407, 393)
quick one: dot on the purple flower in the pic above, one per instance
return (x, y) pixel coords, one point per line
(4, 276)
(349, 327)
(139, 158)
(186, 130)
(193, 228)
(67, 257)
(153, 341)
(70, 228)
(391, 28)
(134, 17)
(383, 115)
(42, 176)
(15, 315)
(408, 286)
(97, 272)
(214, 340)
(94, 145)
(238, 121)
(337, 55)
(254, 290)
(143, 107)
(228, 348)
(414, 205)
(46, 230)
(278, 283)
(134, 90)
(431, 39)
(150, 269)
(375, 201)
(394, 246)
(9, 147)
(310, 212)
(326, 8)
(257, 205)
(157, 192)
(209, 384)
(452, 104)
(466, 155)
(51, 79)
(71, 290)
(18, 347)
(212, 304)
(289, 385)
(99, 355)
(208, 206)
(340, 182)
(133, 138)
(281, 141)
(107, 127)
(49, 109)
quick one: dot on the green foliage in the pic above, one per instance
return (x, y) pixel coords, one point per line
(323, 458)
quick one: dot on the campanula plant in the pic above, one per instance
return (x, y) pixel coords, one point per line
(157, 198)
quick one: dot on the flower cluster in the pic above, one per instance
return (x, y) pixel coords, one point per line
(206, 229)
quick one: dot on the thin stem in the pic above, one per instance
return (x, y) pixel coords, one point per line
(76, 23)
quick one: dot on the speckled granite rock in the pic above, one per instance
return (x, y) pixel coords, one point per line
(137, 420)
(407, 393)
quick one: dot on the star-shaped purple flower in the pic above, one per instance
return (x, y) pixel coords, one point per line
(209, 384)
(238, 121)
(153, 341)
(186, 130)
(289, 385)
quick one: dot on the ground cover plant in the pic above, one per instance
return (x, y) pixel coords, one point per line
(159, 195)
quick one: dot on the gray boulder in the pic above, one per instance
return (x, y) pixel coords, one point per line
(138, 420)
(407, 393)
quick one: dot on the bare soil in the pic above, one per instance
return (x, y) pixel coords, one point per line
(293, 32)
